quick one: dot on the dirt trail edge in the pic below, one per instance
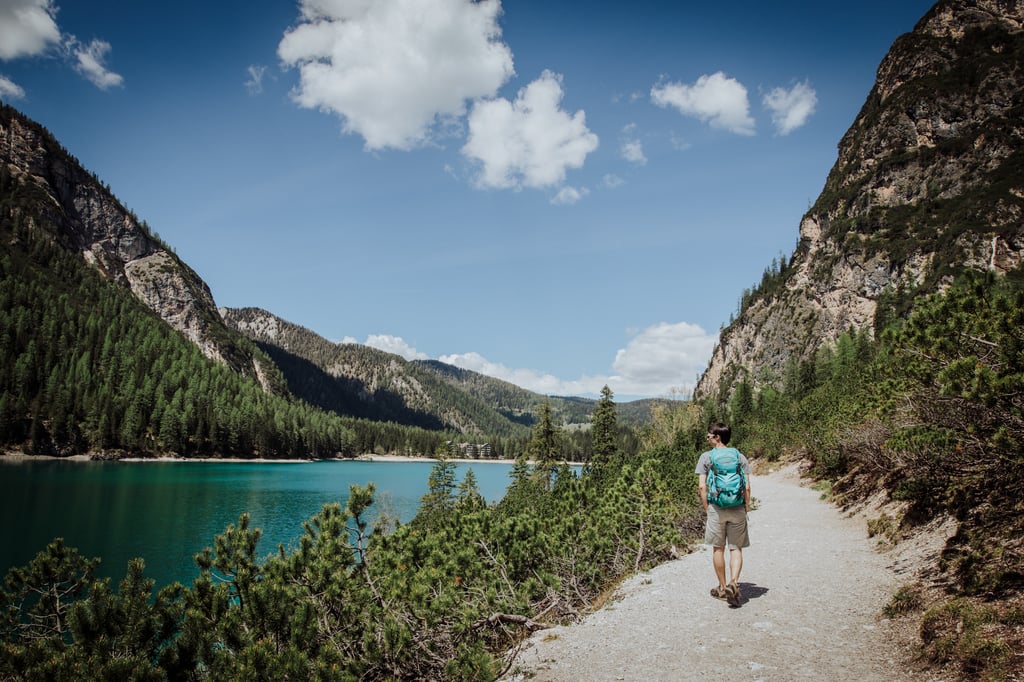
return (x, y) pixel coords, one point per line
(813, 585)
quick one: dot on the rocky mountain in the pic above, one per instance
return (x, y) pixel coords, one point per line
(84, 215)
(929, 181)
(357, 380)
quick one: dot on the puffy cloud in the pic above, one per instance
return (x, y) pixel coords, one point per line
(394, 69)
(530, 142)
(90, 63)
(791, 108)
(9, 89)
(662, 360)
(27, 28)
(568, 196)
(715, 99)
(394, 344)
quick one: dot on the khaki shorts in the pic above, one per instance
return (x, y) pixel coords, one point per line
(726, 525)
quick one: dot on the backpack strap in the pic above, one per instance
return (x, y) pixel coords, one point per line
(739, 469)
(713, 478)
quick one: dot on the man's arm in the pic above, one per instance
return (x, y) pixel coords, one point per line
(702, 487)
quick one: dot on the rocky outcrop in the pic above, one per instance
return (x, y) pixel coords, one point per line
(184, 302)
(83, 214)
(929, 181)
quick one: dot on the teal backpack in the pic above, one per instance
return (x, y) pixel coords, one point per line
(726, 481)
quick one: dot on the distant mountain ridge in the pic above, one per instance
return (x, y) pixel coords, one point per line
(929, 181)
(358, 380)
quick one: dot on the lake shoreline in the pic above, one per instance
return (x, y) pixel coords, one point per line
(15, 456)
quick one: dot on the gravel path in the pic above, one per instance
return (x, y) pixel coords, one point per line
(813, 591)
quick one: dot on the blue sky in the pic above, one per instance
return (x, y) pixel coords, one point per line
(562, 195)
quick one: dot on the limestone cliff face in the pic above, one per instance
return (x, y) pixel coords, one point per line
(929, 181)
(85, 216)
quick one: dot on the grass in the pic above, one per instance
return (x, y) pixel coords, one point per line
(975, 637)
(824, 489)
(886, 527)
(907, 599)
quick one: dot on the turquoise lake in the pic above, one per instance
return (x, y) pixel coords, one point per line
(166, 512)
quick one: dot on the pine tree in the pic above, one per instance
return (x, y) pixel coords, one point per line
(469, 497)
(546, 446)
(956, 370)
(604, 437)
(439, 501)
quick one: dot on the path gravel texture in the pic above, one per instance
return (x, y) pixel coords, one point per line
(814, 587)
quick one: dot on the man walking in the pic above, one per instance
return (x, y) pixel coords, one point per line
(724, 483)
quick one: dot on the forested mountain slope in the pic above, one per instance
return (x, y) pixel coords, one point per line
(358, 380)
(82, 214)
(929, 181)
(86, 367)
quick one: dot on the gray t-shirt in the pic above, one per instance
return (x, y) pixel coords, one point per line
(704, 464)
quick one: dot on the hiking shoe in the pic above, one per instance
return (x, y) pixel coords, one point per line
(732, 594)
(720, 593)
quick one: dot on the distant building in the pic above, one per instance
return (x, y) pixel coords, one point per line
(470, 450)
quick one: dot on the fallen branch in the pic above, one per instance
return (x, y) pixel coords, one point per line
(512, 618)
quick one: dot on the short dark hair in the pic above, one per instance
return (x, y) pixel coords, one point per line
(723, 432)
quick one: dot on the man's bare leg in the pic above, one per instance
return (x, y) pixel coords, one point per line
(718, 559)
(735, 564)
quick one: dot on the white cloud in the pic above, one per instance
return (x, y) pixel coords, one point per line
(90, 63)
(530, 379)
(389, 344)
(27, 28)
(9, 89)
(255, 83)
(659, 361)
(632, 149)
(395, 69)
(394, 344)
(791, 108)
(530, 142)
(662, 358)
(715, 99)
(567, 196)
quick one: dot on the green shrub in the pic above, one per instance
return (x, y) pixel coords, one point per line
(906, 600)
